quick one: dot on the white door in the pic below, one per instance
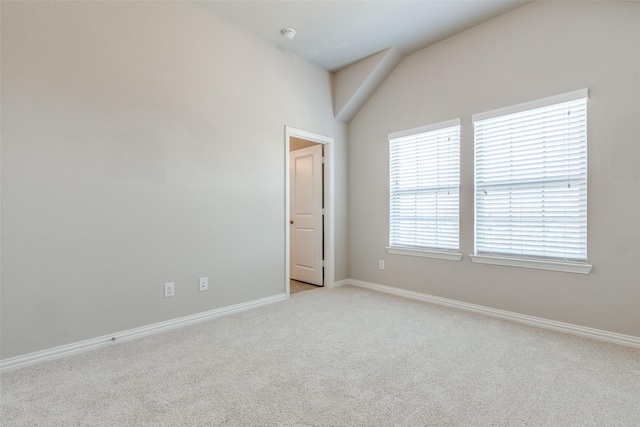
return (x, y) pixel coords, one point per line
(306, 214)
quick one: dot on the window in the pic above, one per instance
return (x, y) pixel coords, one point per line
(424, 191)
(531, 184)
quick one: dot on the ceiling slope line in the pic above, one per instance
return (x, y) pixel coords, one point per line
(355, 84)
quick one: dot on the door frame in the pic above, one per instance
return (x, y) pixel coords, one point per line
(329, 235)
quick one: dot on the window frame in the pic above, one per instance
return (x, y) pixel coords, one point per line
(516, 260)
(421, 251)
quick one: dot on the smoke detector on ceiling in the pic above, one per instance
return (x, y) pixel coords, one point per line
(288, 33)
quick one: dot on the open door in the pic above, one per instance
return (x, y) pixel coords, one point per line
(306, 222)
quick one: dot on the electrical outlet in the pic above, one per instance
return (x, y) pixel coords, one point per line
(203, 284)
(381, 264)
(169, 290)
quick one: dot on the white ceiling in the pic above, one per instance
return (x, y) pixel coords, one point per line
(334, 34)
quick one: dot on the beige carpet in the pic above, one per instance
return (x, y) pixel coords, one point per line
(344, 357)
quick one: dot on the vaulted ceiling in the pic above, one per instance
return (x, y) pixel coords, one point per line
(335, 34)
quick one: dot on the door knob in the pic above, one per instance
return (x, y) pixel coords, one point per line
(290, 221)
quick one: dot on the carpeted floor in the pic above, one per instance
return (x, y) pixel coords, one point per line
(342, 357)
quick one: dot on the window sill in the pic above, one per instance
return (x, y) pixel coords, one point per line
(567, 267)
(426, 253)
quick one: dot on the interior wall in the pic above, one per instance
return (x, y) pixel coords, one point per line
(143, 143)
(539, 50)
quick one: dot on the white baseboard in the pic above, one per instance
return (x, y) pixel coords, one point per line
(341, 283)
(597, 334)
(131, 334)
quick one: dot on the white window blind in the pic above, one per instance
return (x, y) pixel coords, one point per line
(531, 181)
(424, 187)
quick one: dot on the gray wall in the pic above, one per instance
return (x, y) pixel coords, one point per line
(539, 50)
(142, 143)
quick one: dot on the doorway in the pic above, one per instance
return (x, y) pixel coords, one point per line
(295, 138)
(306, 213)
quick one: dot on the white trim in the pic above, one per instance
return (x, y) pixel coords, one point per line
(556, 99)
(329, 218)
(567, 267)
(342, 282)
(309, 136)
(596, 334)
(131, 334)
(422, 129)
(427, 253)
